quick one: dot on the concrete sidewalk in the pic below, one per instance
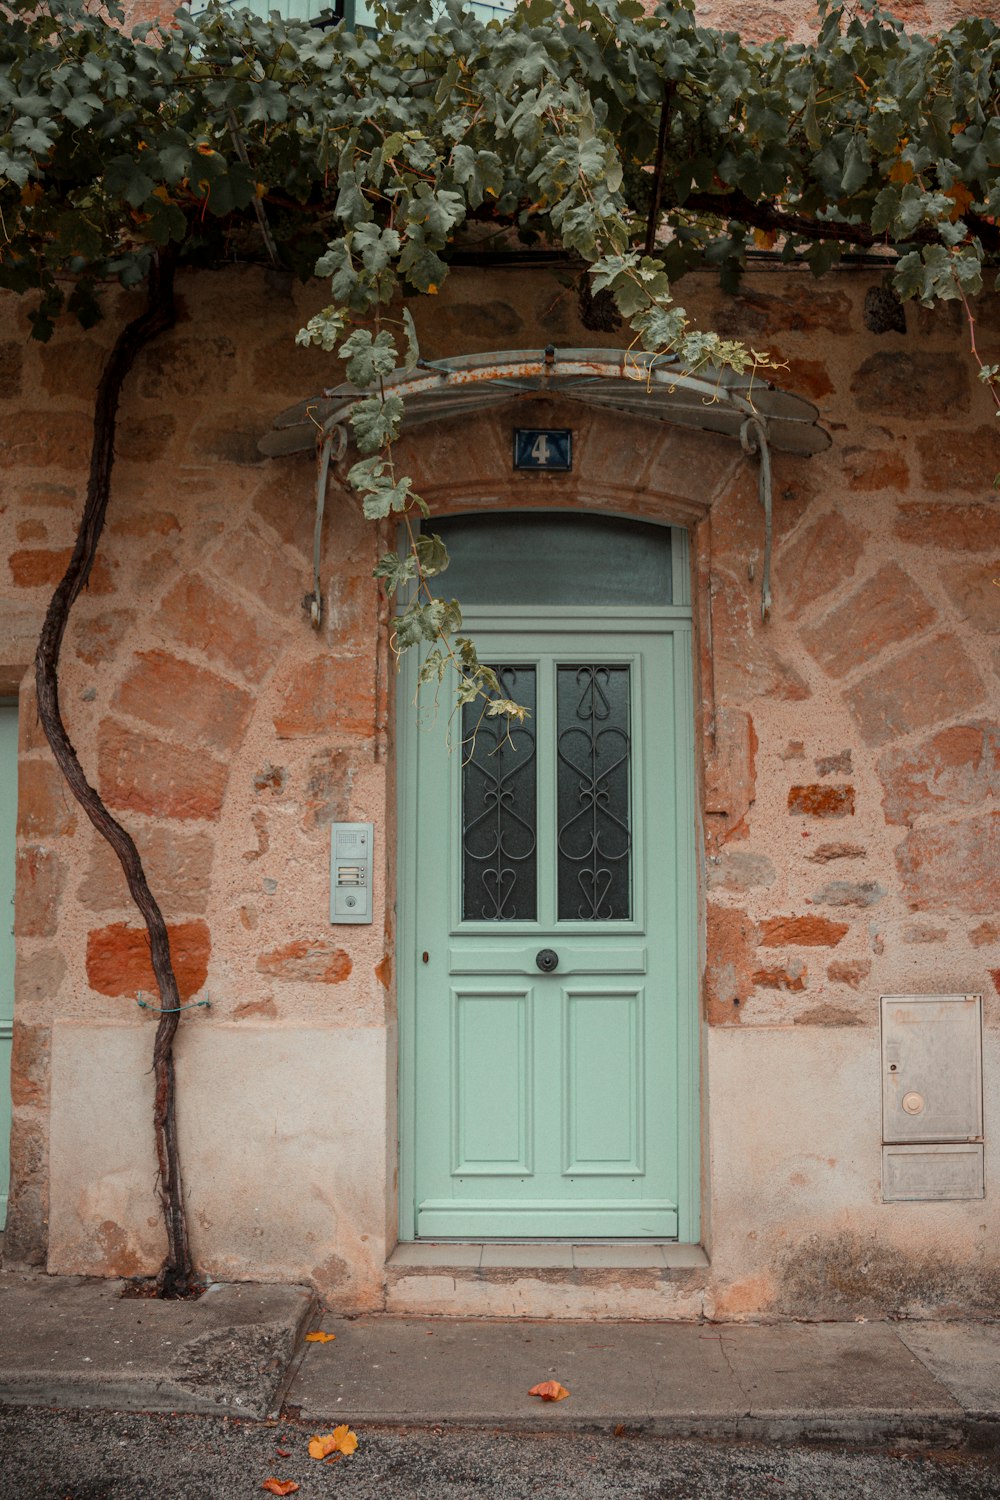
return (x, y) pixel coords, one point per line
(71, 1342)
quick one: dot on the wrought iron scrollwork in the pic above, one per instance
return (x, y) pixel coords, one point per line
(499, 804)
(594, 838)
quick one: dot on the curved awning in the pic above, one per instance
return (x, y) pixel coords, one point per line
(653, 387)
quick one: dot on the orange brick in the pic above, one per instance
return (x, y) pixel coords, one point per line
(148, 775)
(801, 932)
(172, 694)
(118, 961)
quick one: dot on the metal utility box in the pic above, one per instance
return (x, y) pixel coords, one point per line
(932, 1097)
(351, 872)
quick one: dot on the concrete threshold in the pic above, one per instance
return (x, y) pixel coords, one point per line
(855, 1383)
(77, 1342)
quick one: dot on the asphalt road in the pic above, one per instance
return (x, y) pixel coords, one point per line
(93, 1455)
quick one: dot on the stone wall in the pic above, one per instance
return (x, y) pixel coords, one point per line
(848, 778)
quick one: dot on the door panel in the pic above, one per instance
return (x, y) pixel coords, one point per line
(549, 1103)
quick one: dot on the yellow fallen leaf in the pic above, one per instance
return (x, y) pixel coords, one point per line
(320, 1338)
(549, 1390)
(340, 1440)
(279, 1486)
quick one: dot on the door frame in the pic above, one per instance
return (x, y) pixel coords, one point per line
(8, 702)
(676, 623)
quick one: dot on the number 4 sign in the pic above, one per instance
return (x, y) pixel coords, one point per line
(543, 448)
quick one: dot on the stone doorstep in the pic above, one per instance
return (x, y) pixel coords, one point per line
(548, 1255)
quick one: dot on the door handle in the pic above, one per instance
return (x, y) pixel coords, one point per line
(547, 959)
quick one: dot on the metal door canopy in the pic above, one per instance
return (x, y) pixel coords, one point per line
(932, 1069)
(652, 387)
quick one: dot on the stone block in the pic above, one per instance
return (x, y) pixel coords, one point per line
(788, 977)
(40, 877)
(955, 768)
(72, 367)
(141, 440)
(729, 964)
(170, 693)
(823, 854)
(819, 800)
(37, 979)
(975, 592)
(46, 439)
(197, 614)
(97, 638)
(850, 971)
(329, 780)
(736, 870)
(952, 866)
(859, 893)
(43, 567)
(962, 458)
(798, 309)
(731, 773)
(263, 570)
(148, 775)
(985, 934)
(185, 366)
(118, 961)
(815, 562)
(313, 960)
(53, 496)
(143, 522)
(898, 384)
(328, 695)
(870, 469)
(925, 685)
(29, 1066)
(887, 609)
(949, 527)
(802, 932)
(230, 439)
(178, 865)
(45, 805)
(915, 933)
(11, 361)
(746, 664)
(286, 502)
(834, 765)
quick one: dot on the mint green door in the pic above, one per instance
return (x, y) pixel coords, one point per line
(548, 1040)
(8, 819)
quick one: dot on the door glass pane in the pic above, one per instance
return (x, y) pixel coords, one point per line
(545, 558)
(499, 807)
(595, 839)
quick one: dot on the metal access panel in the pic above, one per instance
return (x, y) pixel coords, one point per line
(351, 872)
(932, 1069)
(932, 1174)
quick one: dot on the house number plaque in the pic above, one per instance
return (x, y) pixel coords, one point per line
(543, 448)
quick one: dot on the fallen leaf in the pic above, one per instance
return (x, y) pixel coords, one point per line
(549, 1390)
(340, 1440)
(320, 1338)
(279, 1486)
(334, 1458)
(283, 1452)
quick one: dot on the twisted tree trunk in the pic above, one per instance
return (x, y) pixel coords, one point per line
(177, 1276)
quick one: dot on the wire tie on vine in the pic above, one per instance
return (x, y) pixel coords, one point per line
(172, 1009)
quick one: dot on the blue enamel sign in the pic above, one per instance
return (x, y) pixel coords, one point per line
(543, 448)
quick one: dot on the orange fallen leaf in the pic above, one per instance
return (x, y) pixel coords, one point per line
(279, 1486)
(549, 1390)
(340, 1440)
(320, 1338)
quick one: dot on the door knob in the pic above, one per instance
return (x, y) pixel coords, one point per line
(547, 960)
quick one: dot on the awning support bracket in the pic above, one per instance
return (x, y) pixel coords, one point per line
(753, 439)
(331, 445)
